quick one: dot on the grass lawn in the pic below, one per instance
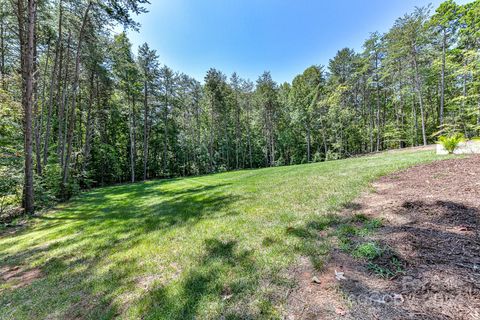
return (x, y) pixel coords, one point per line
(185, 248)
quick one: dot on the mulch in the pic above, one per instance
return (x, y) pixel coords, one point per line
(431, 226)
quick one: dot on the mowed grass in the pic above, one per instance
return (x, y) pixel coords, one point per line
(206, 247)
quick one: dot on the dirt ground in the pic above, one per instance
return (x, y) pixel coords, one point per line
(431, 220)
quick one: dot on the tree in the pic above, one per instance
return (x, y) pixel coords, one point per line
(445, 22)
(266, 92)
(27, 18)
(304, 96)
(167, 91)
(93, 114)
(413, 37)
(148, 63)
(75, 89)
(128, 78)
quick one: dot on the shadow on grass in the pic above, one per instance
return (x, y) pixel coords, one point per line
(222, 284)
(69, 246)
(312, 242)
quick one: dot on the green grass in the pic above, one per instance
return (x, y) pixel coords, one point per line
(367, 250)
(203, 247)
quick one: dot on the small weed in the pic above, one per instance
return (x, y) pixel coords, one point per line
(360, 217)
(367, 250)
(398, 267)
(347, 230)
(380, 271)
(318, 262)
(374, 224)
(369, 227)
(394, 268)
(345, 244)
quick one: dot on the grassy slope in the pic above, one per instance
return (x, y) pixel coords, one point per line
(182, 248)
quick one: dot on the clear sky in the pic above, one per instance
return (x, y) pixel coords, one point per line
(251, 36)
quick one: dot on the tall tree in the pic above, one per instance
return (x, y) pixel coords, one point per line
(304, 96)
(267, 99)
(148, 63)
(75, 89)
(127, 75)
(445, 21)
(27, 18)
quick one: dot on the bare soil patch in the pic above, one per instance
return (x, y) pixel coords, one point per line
(17, 276)
(431, 232)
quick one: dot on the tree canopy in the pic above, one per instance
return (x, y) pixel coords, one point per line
(81, 108)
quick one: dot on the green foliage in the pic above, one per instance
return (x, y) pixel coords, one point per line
(356, 228)
(136, 118)
(9, 188)
(373, 224)
(347, 230)
(392, 269)
(331, 155)
(450, 143)
(367, 250)
(11, 175)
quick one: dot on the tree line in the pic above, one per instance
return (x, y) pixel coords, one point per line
(81, 108)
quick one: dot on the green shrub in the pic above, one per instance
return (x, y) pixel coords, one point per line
(332, 156)
(10, 188)
(450, 143)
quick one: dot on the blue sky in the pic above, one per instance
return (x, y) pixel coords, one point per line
(251, 36)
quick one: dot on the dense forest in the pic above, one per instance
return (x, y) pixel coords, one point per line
(80, 108)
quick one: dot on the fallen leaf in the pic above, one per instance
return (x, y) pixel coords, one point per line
(339, 275)
(315, 280)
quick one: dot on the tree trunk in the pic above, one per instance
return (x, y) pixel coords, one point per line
(324, 138)
(210, 144)
(75, 89)
(401, 112)
(38, 115)
(132, 144)
(415, 124)
(134, 128)
(3, 50)
(40, 122)
(478, 116)
(26, 34)
(52, 85)
(442, 80)
(63, 88)
(420, 98)
(237, 132)
(378, 122)
(249, 136)
(464, 99)
(308, 143)
(89, 125)
(145, 131)
(165, 133)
